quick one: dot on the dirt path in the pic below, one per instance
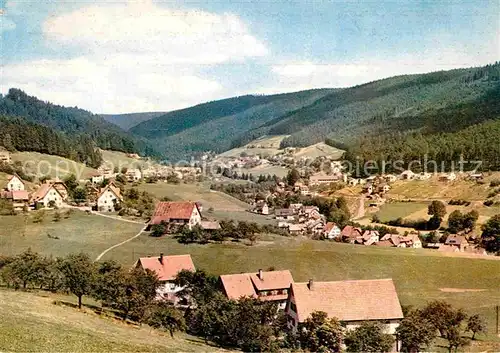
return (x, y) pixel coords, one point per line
(119, 244)
(361, 208)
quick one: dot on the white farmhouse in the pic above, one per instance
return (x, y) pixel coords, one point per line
(47, 196)
(15, 184)
(108, 198)
(167, 268)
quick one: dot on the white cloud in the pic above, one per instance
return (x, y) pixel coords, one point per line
(104, 87)
(170, 36)
(300, 75)
(134, 56)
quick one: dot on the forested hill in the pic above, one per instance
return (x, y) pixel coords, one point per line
(428, 104)
(72, 122)
(216, 125)
(129, 120)
(17, 134)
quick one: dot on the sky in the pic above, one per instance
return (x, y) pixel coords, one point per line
(123, 56)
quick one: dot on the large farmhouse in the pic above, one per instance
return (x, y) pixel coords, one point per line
(15, 184)
(176, 214)
(264, 285)
(352, 302)
(47, 196)
(167, 268)
(108, 198)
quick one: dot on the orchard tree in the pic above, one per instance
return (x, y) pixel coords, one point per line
(166, 317)
(321, 333)
(369, 337)
(476, 324)
(415, 332)
(79, 273)
(491, 234)
(437, 209)
(292, 177)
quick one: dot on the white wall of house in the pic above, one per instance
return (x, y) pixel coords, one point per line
(52, 195)
(15, 184)
(195, 217)
(334, 233)
(106, 202)
(168, 290)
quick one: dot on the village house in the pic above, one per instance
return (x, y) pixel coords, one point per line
(331, 231)
(399, 241)
(423, 176)
(15, 183)
(176, 214)
(368, 188)
(270, 286)
(284, 214)
(18, 198)
(59, 186)
(133, 155)
(108, 198)
(383, 188)
(260, 207)
(353, 181)
(97, 178)
(4, 157)
(351, 302)
(167, 268)
(296, 229)
(369, 237)
(457, 241)
(107, 172)
(350, 234)
(315, 226)
(133, 175)
(407, 175)
(390, 178)
(320, 178)
(47, 196)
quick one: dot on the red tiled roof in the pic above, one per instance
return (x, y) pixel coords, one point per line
(248, 284)
(42, 191)
(238, 285)
(329, 226)
(21, 195)
(166, 211)
(348, 300)
(169, 267)
(351, 232)
(272, 280)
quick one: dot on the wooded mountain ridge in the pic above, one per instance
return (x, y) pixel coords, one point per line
(426, 104)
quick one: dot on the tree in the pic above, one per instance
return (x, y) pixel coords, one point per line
(415, 332)
(491, 234)
(198, 286)
(78, 271)
(80, 194)
(437, 209)
(470, 219)
(109, 279)
(476, 324)
(137, 293)
(157, 230)
(71, 183)
(321, 333)
(369, 337)
(455, 221)
(292, 177)
(165, 316)
(57, 216)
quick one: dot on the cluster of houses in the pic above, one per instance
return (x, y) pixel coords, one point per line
(53, 193)
(152, 170)
(300, 219)
(352, 302)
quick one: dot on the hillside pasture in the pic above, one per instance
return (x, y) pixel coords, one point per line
(393, 210)
(265, 145)
(121, 160)
(32, 322)
(419, 274)
(80, 232)
(40, 165)
(215, 204)
(318, 150)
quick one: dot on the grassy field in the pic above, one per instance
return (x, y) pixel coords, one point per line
(318, 150)
(81, 232)
(224, 206)
(120, 160)
(267, 170)
(31, 322)
(53, 166)
(390, 211)
(265, 145)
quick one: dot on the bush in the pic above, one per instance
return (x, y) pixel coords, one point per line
(495, 183)
(488, 203)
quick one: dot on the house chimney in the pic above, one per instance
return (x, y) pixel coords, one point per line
(310, 284)
(261, 274)
(161, 258)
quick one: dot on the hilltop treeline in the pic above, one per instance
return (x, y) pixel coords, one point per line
(16, 134)
(73, 122)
